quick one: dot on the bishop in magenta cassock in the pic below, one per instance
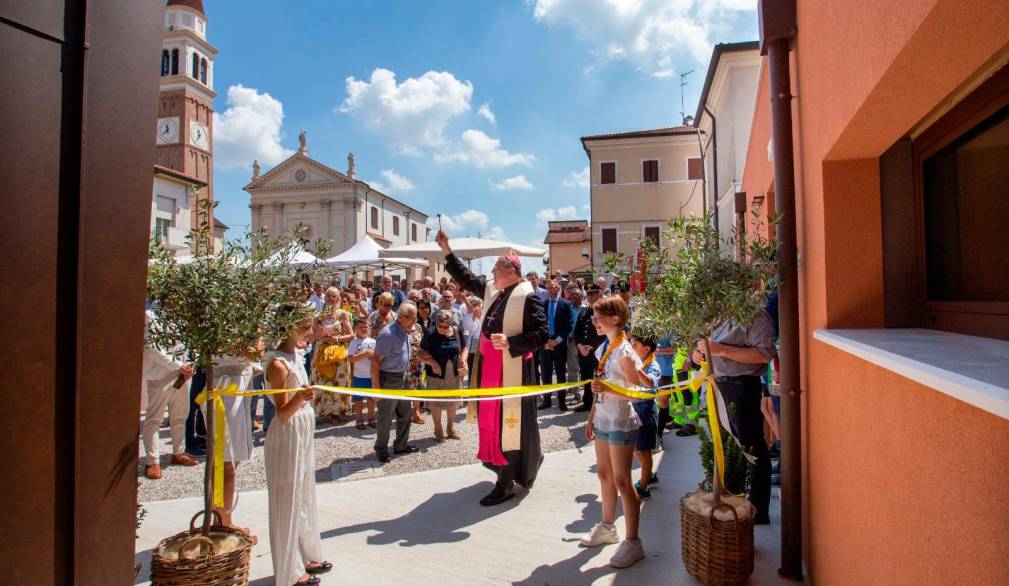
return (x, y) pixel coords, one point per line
(514, 327)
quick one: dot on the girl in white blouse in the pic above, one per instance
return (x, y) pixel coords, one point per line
(613, 426)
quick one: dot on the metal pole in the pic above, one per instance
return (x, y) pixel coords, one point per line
(714, 166)
(788, 310)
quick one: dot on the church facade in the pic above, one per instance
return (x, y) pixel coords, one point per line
(332, 205)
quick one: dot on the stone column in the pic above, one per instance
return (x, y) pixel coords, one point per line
(326, 219)
(278, 219)
(257, 216)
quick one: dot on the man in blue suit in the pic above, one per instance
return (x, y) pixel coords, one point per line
(554, 355)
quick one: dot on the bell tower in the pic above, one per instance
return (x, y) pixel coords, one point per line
(184, 136)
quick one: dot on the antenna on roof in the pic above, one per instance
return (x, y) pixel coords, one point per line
(683, 83)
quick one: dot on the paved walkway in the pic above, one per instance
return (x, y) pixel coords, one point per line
(427, 528)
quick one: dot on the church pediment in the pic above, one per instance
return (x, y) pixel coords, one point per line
(298, 172)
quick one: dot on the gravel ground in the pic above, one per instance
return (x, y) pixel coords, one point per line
(345, 445)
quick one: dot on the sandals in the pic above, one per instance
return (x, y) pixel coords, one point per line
(439, 438)
(312, 581)
(453, 434)
(319, 567)
(418, 420)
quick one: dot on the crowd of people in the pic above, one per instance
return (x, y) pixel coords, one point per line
(439, 335)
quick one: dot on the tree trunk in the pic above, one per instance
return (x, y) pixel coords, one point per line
(716, 481)
(208, 481)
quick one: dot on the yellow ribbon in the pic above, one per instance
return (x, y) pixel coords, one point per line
(716, 428)
(220, 421)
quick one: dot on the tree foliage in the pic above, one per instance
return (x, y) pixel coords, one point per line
(696, 280)
(223, 303)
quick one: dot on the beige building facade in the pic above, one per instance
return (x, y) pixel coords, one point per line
(570, 245)
(725, 117)
(331, 205)
(639, 180)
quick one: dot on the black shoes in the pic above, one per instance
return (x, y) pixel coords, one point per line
(196, 451)
(407, 450)
(582, 408)
(496, 497)
(383, 457)
(545, 405)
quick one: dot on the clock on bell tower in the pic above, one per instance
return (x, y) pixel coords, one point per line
(184, 138)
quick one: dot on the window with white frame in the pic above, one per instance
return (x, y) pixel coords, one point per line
(608, 236)
(608, 172)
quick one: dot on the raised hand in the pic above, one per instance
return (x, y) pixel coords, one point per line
(442, 239)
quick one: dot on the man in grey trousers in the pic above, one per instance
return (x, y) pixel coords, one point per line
(388, 368)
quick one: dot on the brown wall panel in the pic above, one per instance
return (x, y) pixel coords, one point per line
(45, 16)
(121, 93)
(29, 159)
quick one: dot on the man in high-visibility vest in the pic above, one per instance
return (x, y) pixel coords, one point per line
(682, 409)
(685, 407)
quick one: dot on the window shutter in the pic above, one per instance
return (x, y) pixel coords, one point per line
(694, 170)
(652, 233)
(609, 240)
(608, 173)
(650, 171)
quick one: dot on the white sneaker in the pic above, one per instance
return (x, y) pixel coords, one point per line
(601, 534)
(627, 554)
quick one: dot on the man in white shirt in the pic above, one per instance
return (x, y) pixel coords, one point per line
(317, 298)
(166, 377)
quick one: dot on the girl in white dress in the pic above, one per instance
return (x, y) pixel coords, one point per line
(231, 369)
(612, 427)
(295, 543)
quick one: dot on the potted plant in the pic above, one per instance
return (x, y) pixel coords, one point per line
(695, 281)
(219, 303)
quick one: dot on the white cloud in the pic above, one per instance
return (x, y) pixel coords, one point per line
(496, 233)
(397, 183)
(485, 112)
(650, 34)
(482, 151)
(578, 178)
(470, 220)
(587, 209)
(249, 129)
(413, 114)
(550, 214)
(517, 182)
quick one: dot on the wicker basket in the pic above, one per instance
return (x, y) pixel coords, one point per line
(718, 553)
(197, 563)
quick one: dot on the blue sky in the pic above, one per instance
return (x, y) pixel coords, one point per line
(420, 92)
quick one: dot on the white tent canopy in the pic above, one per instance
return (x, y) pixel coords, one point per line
(467, 248)
(367, 253)
(301, 258)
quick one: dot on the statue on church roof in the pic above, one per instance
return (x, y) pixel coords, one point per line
(351, 170)
(303, 141)
(255, 169)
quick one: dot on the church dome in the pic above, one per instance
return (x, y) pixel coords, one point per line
(196, 5)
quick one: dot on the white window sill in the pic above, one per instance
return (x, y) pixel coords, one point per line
(971, 369)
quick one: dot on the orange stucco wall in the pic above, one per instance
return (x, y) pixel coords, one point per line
(906, 485)
(903, 485)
